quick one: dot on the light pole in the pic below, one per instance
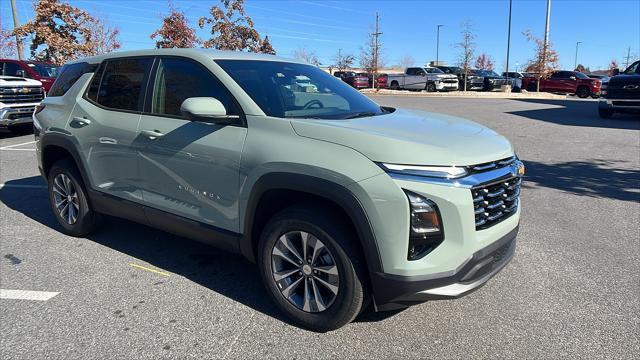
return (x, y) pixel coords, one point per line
(508, 42)
(438, 45)
(575, 62)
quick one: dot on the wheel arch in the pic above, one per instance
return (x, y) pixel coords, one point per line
(55, 147)
(268, 197)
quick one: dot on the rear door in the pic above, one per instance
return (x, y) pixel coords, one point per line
(190, 168)
(105, 123)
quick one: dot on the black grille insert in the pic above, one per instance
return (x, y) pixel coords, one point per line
(495, 201)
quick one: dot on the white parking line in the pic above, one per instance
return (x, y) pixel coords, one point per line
(19, 186)
(11, 147)
(27, 295)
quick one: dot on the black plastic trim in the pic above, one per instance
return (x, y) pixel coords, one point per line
(320, 187)
(396, 291)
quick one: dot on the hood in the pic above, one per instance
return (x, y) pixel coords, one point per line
(12, 81)
(411, 137)
(625, 79)
(446, 76)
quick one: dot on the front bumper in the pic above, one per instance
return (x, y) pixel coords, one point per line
(11, 116)
(446, 86)
(403, 291)
(620, 104)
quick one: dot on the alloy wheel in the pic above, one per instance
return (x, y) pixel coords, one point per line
(305, 271)
(66, 198)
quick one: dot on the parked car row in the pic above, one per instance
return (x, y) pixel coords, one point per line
(23, 84)
(565, 82)
(430, 79)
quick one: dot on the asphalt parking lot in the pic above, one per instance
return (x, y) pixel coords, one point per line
(572, 290)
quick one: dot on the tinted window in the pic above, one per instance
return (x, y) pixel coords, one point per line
(634, 68)
(68, 76)
(43, 69)
(11, 69)
(180, 79)
(122, 83)
(92, 92)
(283, 89)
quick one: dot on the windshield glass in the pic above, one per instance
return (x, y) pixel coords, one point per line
(434, 71)
(486, 73)
(581, 75)
(47, 70)
(276, 88)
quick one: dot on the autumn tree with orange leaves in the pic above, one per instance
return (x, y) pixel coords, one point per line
(543, 62)
(62, 33)
(484, 62)
(7, 44)
(175, 31)
(232, 29)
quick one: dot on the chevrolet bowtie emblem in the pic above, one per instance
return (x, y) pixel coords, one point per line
(630, 87)
(24, 90)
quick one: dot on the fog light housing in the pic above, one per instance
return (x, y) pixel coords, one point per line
(425, 226)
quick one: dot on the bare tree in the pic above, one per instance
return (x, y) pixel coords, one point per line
(343, 61)
(60, 32)
(467, 47)
(7, 44)
(543, 62)
(232, 29)
(175, 31)
(304, 54)
(371, 59)
(104, 37)
(484, 62)
(407, 61)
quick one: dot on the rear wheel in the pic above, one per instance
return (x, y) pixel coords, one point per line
(68, 198)
(583, 92)
(312, 269)
(394, 85)
(605, 113)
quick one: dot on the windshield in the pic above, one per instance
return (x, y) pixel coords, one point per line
(486, 73)
(634, 68)
(47, 70)
(275, 87)
(581, 75)
(434, 71)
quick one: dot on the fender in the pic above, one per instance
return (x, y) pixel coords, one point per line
(315, 186)
(61, 140)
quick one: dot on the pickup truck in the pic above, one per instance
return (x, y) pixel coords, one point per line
(41, 71)
(566, 82)
(430, 79)
(622, 93)
(18, 99)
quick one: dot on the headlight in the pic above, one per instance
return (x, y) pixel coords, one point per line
(446, 172)
(426, 231)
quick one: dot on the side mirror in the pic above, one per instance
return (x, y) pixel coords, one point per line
(207, 109)
(616, 71)
(21, 73)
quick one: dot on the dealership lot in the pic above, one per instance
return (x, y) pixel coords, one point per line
(130, 291)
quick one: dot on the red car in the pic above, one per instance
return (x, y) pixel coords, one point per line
(381, 80)
(44, 72)
(353, 79)
(566, 82)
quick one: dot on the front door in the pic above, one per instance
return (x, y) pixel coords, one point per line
(190, 168)
(105, 122)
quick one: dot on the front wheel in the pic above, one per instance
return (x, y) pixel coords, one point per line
(431, 87)
(312, 268)
(583, 92)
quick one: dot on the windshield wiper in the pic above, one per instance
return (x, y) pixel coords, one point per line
(360, 114)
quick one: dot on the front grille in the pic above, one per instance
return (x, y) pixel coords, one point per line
(19, 113)
(490, 165)
(32, 95)
(495, 201)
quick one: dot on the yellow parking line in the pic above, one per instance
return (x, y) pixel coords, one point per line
(148, 269)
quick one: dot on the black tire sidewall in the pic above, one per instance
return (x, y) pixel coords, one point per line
(86, 220)
(350, 296)
(582, 92)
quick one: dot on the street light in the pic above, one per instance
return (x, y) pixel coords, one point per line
(575, 63)
(438, 45)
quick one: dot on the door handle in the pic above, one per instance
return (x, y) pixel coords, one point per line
(152, 134)
(81, 121)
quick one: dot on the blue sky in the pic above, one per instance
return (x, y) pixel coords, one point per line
(605, 28)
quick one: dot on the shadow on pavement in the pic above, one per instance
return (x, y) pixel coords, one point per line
(595, 178)
(577, 113)
(227, 274)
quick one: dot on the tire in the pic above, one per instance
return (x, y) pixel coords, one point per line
(583, 92)
(394, 85)
(516, 89)
(531, 87)
(605, 113)
(64, 178)
(326, 309)
(431, 87)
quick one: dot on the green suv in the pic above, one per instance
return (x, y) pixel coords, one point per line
(340, 202)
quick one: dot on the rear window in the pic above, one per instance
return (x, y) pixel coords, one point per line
(121, 84)
(68, 76)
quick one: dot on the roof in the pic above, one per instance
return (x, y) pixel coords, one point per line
(192, 52)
